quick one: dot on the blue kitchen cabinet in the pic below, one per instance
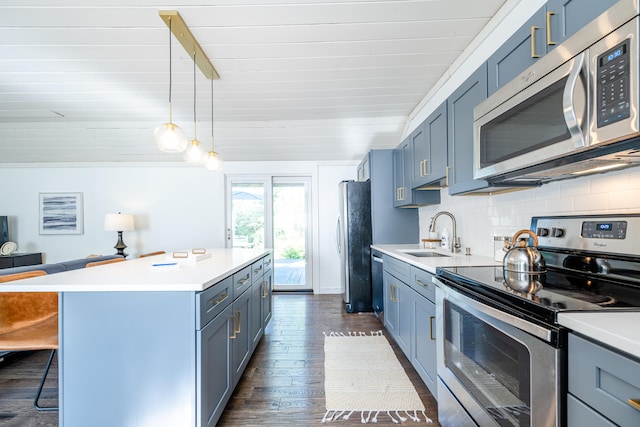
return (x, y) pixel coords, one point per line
(601, 384)
(397, 303)
(214, 364)
(404, 195)
(429, 150)
(460, 121)
(548, 27)
(423, 327)
(241, 338)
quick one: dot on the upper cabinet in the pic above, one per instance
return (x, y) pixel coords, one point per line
(429, 147)
(404, 194)
(460, 107)
(549, 26)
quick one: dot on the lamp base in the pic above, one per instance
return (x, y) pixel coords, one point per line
(120, 246)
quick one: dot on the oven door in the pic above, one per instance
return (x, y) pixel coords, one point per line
(502, 369)
(545, 121)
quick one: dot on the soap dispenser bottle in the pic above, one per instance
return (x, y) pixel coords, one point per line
(444, 239)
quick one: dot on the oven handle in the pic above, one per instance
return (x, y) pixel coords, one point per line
(533, 329)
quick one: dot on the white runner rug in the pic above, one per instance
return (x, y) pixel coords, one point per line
(363, 377)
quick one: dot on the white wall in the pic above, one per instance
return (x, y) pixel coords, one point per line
(479, 218)
(175, 207)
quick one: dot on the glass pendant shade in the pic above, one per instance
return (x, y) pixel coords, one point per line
(214, 161)
(170, 138)
(194, 154)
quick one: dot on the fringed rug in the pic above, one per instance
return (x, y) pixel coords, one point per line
(364, 378)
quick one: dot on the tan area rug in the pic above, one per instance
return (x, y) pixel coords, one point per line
(363, 376)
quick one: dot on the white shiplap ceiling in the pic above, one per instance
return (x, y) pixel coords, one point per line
(87, 80)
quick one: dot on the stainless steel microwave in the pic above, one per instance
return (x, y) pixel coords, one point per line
(576, 111)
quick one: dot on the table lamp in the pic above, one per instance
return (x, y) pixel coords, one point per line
(119, 222)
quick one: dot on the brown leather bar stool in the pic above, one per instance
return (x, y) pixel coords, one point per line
(107, 261)
(29, 321)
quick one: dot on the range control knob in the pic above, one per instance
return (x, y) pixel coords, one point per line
(557, 232)
(542, 232)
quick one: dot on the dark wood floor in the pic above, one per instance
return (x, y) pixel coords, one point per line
(283, 384)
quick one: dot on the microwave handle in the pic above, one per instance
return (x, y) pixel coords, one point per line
(568, 104)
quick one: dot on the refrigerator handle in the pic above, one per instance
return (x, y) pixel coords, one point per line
(338, 245)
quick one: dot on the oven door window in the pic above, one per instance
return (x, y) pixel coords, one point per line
(493, 367)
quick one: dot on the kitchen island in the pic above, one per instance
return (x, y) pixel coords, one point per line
(148, 345)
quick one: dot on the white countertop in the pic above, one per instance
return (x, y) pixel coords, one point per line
(140, 275)
(431, 263)
(618, 330)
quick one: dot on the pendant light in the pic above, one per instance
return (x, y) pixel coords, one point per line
(169, 137)
(214, 160)
(194, 154)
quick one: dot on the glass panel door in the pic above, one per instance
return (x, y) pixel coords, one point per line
(291, 233)
(273, 212)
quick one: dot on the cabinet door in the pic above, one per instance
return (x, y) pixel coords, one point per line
(423, 335)
(390, 284)
(214, 384)
(267, 298)
(256, 318)
(407, 168)
(460, 137)
(519, 52)
(398, 177)
(403, 336)
(241, 338)
(430, 149)
(567, 17)
(420, 153)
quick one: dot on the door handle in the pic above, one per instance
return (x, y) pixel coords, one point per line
(533, 41)
(568, 104)
(431, 318)
(549, 41)
(233, 337)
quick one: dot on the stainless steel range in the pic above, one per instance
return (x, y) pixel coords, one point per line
(502, 356)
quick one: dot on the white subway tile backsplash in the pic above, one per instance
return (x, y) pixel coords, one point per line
(479, 218)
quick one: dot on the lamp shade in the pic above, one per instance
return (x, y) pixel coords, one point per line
(118, 222)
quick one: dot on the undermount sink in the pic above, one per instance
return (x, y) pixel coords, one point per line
(424, 254)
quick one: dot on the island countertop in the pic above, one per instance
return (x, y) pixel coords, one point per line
(141, 275)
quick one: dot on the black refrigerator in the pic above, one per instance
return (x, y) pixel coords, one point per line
(353, 239)
(367, 216)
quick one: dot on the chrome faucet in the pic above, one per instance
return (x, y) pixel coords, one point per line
(455, 246)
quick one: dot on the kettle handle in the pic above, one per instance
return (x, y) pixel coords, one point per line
(533, 235)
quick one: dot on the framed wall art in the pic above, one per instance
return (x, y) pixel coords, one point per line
(61, 213)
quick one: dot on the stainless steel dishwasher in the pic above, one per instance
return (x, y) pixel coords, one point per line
(377, 294)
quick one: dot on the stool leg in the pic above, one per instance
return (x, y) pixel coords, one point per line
(44, 377)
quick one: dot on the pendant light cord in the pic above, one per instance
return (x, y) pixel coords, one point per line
(212, 147)
(170, 71)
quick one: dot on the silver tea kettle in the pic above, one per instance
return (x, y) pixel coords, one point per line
(524, 259)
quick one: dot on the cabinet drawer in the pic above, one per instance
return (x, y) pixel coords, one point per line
(212, 301)
(421, 282)
(580, 415)
(604, 380)
(267, 261)
(241, 281)
(395, 267)
(257, 270)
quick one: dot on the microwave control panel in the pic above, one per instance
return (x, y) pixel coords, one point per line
(614, 102)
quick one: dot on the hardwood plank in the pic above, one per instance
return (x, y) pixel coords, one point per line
(283, 384)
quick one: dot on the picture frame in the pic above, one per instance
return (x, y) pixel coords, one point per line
(61, 213)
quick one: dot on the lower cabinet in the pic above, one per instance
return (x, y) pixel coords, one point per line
(423, 330)
(214, 364)
(226, 343)
(397, 311)
(410, 316)
(604, 386)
